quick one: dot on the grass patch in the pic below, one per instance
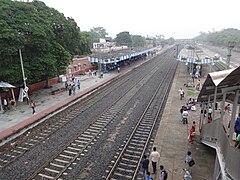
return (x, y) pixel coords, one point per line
(192, 92)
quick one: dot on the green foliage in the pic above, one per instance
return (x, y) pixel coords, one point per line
(124, 38)
(95, 34)
(138, 41)
(220, 38)
(47, 38)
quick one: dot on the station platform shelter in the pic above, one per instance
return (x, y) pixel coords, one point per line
(221, 88)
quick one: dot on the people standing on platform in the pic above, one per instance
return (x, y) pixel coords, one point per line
(118, 69)
(192, 134)
(181, 111)
(227, 108)
(73, 78)
(69, 89)
(33, 105)
(163, 173)
(78, 84)
(154, 156)
(185, 116)
(194, 124)
(181, 93)
(74, 89)
(237, 125)
(66, 85)
(148, 177)
(188, 159)
(210, 112)
(145, 163)
(5, 104)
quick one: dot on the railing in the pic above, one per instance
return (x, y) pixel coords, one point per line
(214, 132)
(209, 131)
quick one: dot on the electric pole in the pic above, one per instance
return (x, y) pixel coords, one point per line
(231, 45)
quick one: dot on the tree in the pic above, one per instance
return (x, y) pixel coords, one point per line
(47, 38)
(220, 38)
(138, 41)
(95, 34)
(123, 38)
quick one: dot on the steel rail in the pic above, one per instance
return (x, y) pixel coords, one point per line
(108, 113)
(118, 160)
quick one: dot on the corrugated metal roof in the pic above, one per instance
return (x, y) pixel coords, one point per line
(6, 85)
(220, 79)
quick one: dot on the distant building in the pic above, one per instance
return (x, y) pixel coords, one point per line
(103, 44)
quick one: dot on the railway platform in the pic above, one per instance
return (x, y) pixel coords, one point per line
(172, 137)
(18, 117)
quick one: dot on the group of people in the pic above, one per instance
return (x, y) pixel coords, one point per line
(6, 102)
(191, 105)
(155, 158)
(71, 87)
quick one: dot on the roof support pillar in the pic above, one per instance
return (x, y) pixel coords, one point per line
(233, 115)
(208, 104)
(222, 105)
(214, 102)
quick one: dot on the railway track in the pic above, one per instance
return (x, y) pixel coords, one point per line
(128, 160)
(57, 166)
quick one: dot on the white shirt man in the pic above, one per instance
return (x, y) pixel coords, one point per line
(154, 156)
(181, 92)
(185, 116)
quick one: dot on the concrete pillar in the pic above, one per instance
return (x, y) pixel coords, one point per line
(222, 106)
(233, 115)
(214, 102)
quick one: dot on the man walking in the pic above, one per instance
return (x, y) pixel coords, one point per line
(163, 173)
(181, 93)
(154, 156)
(185, 116)
(145, 163)
(188, 160)
(74, 89)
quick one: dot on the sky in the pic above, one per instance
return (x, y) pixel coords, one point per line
(179, 19)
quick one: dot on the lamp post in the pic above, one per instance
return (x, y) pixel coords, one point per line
(99, 61)
(25, 89)
(23, 74)
(231, 45)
